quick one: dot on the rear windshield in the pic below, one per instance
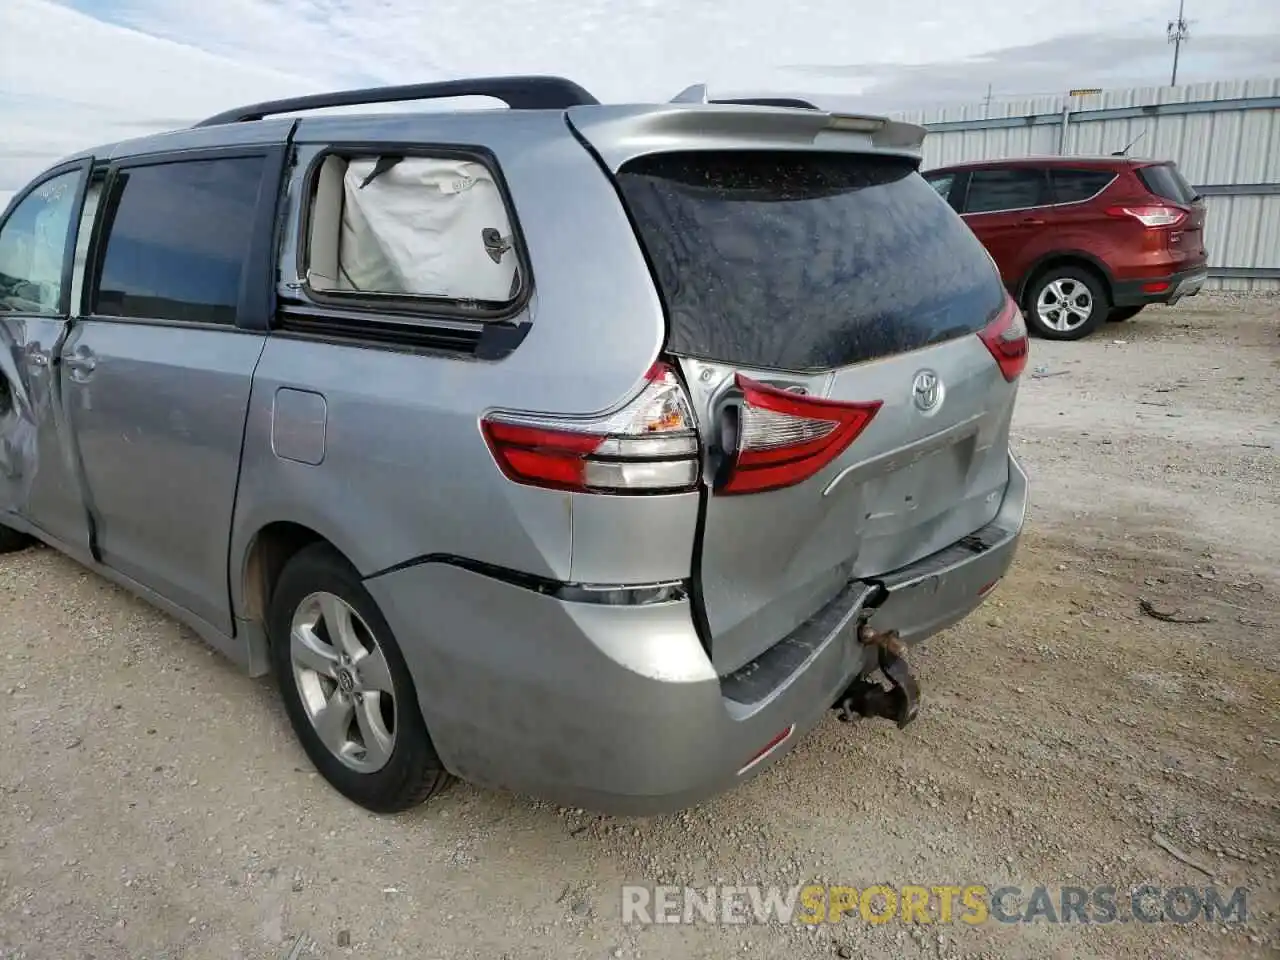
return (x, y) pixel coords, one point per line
(805, 261)
(1164, 180)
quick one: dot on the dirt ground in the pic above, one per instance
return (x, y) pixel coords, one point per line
(153, 802)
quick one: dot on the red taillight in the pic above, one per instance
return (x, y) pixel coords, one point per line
(1006, 338)
(1150, 215)
(648, 446)
(785, 438)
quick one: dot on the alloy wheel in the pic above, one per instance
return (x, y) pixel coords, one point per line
(1065, 305)
(343, 681)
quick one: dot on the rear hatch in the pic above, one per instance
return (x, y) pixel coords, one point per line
(837, 327)
(1165, 180)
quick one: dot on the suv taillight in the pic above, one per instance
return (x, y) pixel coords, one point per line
(785, 438)
(1006, 338)
(1150, 215)
(648, 446)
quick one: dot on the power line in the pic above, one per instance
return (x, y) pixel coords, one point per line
(1178, 34)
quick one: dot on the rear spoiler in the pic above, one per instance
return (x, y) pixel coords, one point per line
(885, 133)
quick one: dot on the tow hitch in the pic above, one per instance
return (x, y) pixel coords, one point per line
(867, 698)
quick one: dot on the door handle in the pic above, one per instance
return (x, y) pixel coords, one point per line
(37, 358)
(1031, 222)
(81, 363)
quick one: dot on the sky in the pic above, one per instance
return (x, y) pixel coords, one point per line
(78, 73)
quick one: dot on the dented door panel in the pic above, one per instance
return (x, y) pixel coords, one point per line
(36, 479)
(37, 237)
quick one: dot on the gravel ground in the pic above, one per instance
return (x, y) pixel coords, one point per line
(153, 802)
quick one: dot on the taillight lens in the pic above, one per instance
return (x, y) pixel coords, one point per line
(1150, 216)
(785, 438)
(649, 446)
(1006, 338)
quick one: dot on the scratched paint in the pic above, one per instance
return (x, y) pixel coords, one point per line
(17, 426)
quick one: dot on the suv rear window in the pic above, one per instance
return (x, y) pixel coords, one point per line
(805, 261)
(1076, 186)
(1164, 180)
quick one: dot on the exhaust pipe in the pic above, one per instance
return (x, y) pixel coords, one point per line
(867, 698)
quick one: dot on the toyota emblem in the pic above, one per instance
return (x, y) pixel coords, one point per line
(927, 391)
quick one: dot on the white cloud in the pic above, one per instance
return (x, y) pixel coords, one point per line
(70, 80)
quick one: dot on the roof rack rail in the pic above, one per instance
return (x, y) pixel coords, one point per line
(518, 93)
(698, 94)
(794, 103)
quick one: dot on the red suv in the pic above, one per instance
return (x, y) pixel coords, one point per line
(1080, 240)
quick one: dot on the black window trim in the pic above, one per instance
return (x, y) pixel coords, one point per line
(83, 165)
(958, 193)
(1044, 178)
(410, 311)
(959, 190)
(255, 304)
(97, 171)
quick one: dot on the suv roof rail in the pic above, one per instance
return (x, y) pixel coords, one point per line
(518, 93)
(794, 103)
(698, 94)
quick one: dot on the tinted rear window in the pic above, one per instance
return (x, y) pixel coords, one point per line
(1072, 186)
(1014, 188)
(1164, 180)
(178, 240)
(805, 261)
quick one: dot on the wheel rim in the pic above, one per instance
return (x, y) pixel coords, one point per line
(1064, 305)
(343, 681)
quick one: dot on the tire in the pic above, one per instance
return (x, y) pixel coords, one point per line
(12, 540)
(1118, 314)
(1075, 285)
(376, 751)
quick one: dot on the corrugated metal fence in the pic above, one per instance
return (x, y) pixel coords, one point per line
(1225, 137)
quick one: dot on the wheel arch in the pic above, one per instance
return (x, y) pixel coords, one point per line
(1065, 258)
(265, 556)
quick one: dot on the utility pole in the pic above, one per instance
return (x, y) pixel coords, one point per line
(1177, 33)
(987, 102)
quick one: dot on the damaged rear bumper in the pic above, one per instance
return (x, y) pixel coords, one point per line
(941, 590)
(617, 708)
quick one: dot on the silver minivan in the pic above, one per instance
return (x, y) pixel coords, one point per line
(591, 451)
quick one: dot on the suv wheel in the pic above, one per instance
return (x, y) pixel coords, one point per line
(346, 688)
(1066, 303)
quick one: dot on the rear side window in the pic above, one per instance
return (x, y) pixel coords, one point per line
(1015, 188)
(417, 228)
(177, 240)
(942, 183)
(805, 261)
(1073, 186)
(33, 246)
(1164, 180)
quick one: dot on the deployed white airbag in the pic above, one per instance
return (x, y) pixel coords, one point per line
(426, 227)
